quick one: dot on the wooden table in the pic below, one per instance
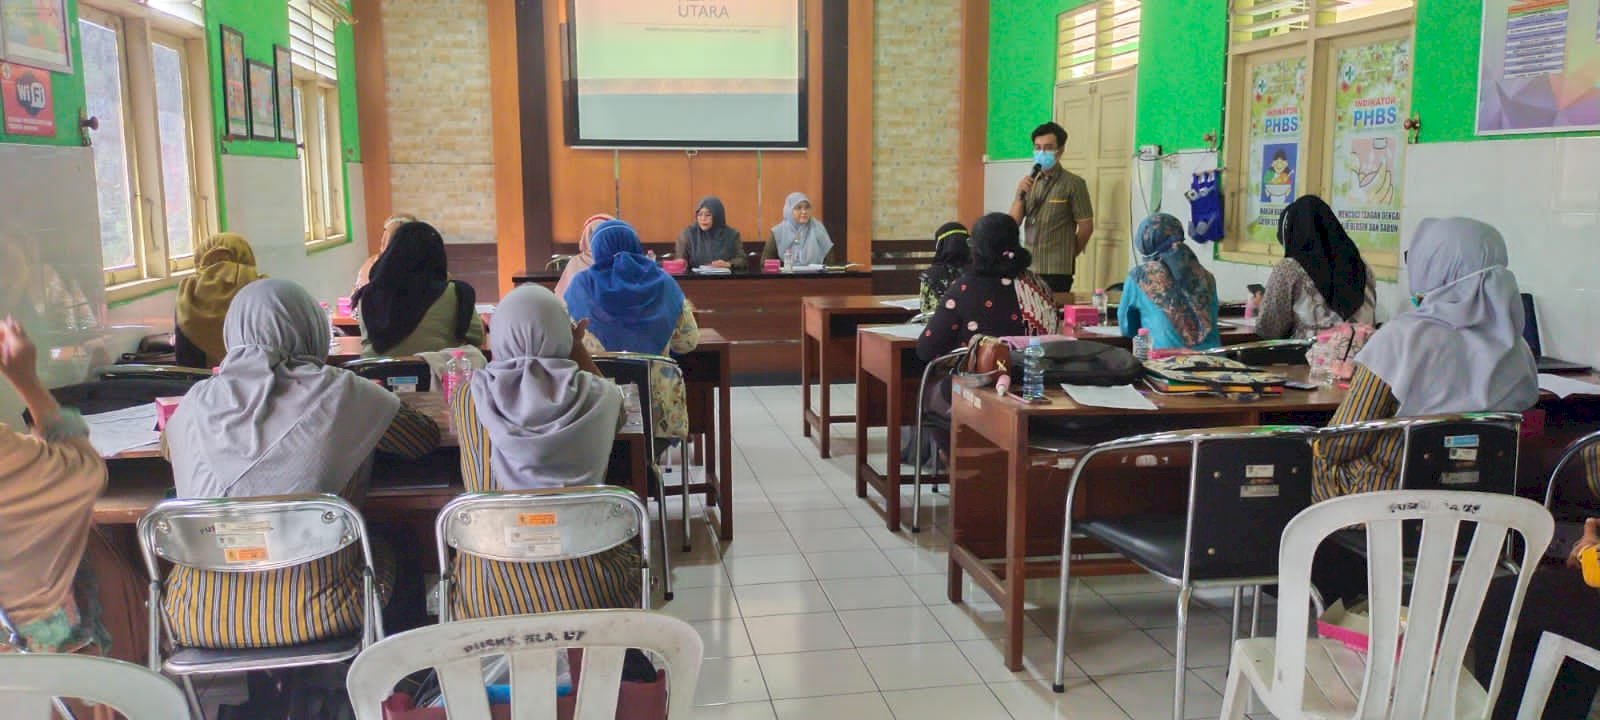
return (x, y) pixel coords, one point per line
(708, 377)
(828, 351)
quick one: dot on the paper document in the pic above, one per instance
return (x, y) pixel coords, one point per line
(1566, 387)
(910, 331)
(709, 270)
(1102, 330)
(1239, 322)
(805, 268)
(1122, 397)
(906, 304)
(119, 430)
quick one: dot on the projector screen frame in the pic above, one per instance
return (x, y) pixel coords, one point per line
(567, 32)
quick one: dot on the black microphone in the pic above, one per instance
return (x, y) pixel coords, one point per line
(1037, 168)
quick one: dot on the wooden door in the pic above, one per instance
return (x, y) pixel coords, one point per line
(1098, 116)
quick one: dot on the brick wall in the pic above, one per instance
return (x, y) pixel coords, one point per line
(916, 113)
(441, 148)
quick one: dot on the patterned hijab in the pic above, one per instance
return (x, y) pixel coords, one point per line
(1173, 278)
(811, 237)
(224, 264)
(632, 304)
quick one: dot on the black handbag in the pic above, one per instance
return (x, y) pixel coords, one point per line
(1083, 362)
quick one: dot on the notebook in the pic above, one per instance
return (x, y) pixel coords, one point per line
(1530, 332)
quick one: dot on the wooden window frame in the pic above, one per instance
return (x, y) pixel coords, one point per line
(321, 160)
(1105, 62)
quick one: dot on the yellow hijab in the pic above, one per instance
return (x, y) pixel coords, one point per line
(224, 264)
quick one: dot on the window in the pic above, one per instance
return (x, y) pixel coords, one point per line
(1098, 39)
(1318, 93)
(139, 85)
(316, 110)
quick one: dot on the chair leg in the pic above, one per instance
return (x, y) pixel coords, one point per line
(1233, 627)
(1184, 596)
(661, 529)
(1255, 612)
(62, 709)
(1236, 693)
(193, 697)
(683, 477)
(916, 471)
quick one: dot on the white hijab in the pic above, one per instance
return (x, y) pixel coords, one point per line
(1461, 349)
(275, 420)
(811, 237)
(550, 424)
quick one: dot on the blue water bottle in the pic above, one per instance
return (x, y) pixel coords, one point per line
(1033, 370)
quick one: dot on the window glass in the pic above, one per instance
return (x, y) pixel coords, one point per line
(103, 90)
(173, 134)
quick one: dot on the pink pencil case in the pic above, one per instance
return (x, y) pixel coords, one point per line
(165, 407)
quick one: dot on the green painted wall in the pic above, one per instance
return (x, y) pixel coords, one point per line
(1182, 68)
(66, 90)
(263, 24)
(344, 47)
(1022, 71)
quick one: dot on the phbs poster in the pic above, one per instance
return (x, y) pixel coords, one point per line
(1371, 99)
(27, 103)
(1278, 92)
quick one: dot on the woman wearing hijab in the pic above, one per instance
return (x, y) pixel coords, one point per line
(632, 305)
(800, 239)
(224, 264)
(539, 416)
(709, 240)
(389, 226)
(951, 254)
(1460, 350)
(997, 295)
(1321, 280)
(585, 258)
(412, 306)
(1168, 291)
(276, 420)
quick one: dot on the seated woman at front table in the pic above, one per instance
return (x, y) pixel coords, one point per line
(1168, 291)
(997, 295)
(1321, 280)
(951, 254)
(276, 420)
(580, 262)
(1460, 350)
(224, 264)
(709, 241)
(539, 416)
(412, 306)
(632, 305)
(49, 481)
(800, 239)
(389, 226)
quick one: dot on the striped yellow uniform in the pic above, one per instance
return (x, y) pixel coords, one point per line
(1360, 462)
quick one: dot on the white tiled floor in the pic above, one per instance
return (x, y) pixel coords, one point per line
(815, 610)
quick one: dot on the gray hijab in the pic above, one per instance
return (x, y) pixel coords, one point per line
(811, 237)
(1461, 349)
(275, 420)
(550, 424)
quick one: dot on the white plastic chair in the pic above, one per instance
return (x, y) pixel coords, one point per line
(456, 651)
(1300, 677)
(1553, 650)
(30, 683)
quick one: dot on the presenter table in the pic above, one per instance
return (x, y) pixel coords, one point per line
(828, 351)
(757, 313)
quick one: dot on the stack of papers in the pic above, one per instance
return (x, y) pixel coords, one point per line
(113, 432)
(906, 304)
(910, 331)
(709, 270)
(1566, 387)
(1102, 330)
(805, 268)
(1121, 397)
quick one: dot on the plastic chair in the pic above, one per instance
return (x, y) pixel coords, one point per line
(1266, 352)
(29, 684)
(19, 646)
(540, 526)
(1245, 484)
(1553, 650)
(1419, 675)
(948, 361)
(394, 371)
(267, 533)
(634, 369)
(456, 650)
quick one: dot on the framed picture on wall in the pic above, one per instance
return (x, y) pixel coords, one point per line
(235, 100)
(34, 33)
(263, 101)
(285, 73)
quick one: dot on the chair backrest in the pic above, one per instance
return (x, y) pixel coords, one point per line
(456, 650)
(1475, 452)
(543, 526)
(29, 682)
(1422, 682)
(634, 369)
(1572, 451)
(1530, 325)
(396, 373)
(1246, 484)
(249, 534)
(1553, 650)
(1266, 352)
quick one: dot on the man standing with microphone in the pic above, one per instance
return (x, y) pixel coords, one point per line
(1053, 207)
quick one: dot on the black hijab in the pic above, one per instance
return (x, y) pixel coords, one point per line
(719, 243)
(951, 245)
(997, 247)
(1313, 236)
(408, 279)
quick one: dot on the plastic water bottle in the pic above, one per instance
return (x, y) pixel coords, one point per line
(791, 257)
(1033, 370)
(1141, 345)
(1099, 301)
(457, 372)
(333, 330)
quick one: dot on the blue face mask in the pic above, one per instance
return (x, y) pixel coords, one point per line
(1045, 158)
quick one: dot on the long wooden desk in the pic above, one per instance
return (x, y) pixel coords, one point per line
(828, 351)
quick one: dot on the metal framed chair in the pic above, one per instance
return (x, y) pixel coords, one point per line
(457, 651)
(1266, 352)
(1245, 483)
(1417, 673)
(540, 526)
(394, 372)
(31, 686)
(1572, 452)
(248, 535)
(557, 263)
(1553, 650)
(634, 369)
(948, 361)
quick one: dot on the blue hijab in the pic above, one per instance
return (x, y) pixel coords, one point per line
(1173, 278)
(631, 304)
